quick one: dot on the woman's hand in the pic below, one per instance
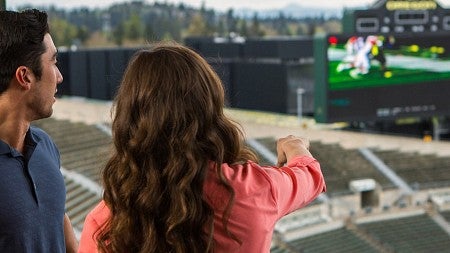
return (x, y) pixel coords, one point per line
(290, 147)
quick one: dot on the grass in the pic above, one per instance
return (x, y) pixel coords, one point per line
(376, 77)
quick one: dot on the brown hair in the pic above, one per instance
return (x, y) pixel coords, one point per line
(168, 129)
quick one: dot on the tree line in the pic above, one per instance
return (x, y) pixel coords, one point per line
(135, 23)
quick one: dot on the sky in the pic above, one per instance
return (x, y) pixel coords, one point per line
(221, 5)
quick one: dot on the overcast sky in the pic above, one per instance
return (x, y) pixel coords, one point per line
(215, 4)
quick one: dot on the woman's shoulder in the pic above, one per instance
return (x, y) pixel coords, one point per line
(100, 213)
(247, 177)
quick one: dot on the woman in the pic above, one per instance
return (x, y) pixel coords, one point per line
(181, 178)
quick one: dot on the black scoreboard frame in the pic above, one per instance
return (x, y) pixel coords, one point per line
(398, 16)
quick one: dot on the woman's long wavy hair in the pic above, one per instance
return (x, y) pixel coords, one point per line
(169, 128)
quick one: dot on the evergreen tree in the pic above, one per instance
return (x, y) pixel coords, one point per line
(243, 29)
(231, 21)
(255, 28)
(149, 32)
(197, 26)
(63, 32)
(119, 34)
(221, 28)
(134, 27)
(140, 20)
(82, 33)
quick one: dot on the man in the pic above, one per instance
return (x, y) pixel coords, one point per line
(32, 191)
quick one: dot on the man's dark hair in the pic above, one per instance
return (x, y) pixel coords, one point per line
(21, 43)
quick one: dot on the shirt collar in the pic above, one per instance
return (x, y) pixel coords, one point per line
(30, 140)
(4, 148)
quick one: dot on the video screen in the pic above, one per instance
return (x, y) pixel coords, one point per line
(381, 76)
(384, 60)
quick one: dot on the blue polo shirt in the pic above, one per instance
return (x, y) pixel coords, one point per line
(32, 196)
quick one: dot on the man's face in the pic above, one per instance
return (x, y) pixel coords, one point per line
(44, 90)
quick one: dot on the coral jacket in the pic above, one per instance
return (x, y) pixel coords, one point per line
(264, 194)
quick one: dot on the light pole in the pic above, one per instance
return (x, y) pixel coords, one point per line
(300, 92)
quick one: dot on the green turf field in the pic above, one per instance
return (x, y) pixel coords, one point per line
(377, 78)
(430, 67)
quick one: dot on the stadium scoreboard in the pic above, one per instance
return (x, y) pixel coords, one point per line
(392, 61)
(398, 16)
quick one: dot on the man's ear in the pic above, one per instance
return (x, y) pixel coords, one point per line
(24, 77)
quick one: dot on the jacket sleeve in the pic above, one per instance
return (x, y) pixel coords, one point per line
(296, 184)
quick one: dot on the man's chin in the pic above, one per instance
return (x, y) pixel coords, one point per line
(44, 114)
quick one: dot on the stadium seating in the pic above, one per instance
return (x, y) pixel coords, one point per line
(278, 249)
(410, 234)
(339, 240)
(270, 144)
(420, 171)
(79, 202)
(446, 215)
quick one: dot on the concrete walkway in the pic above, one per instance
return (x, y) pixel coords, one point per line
(262, 124)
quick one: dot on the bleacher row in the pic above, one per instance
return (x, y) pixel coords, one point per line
(85, 148)
(419, 170)
(409, 234)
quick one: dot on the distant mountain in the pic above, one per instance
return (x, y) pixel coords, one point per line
(291, 10)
